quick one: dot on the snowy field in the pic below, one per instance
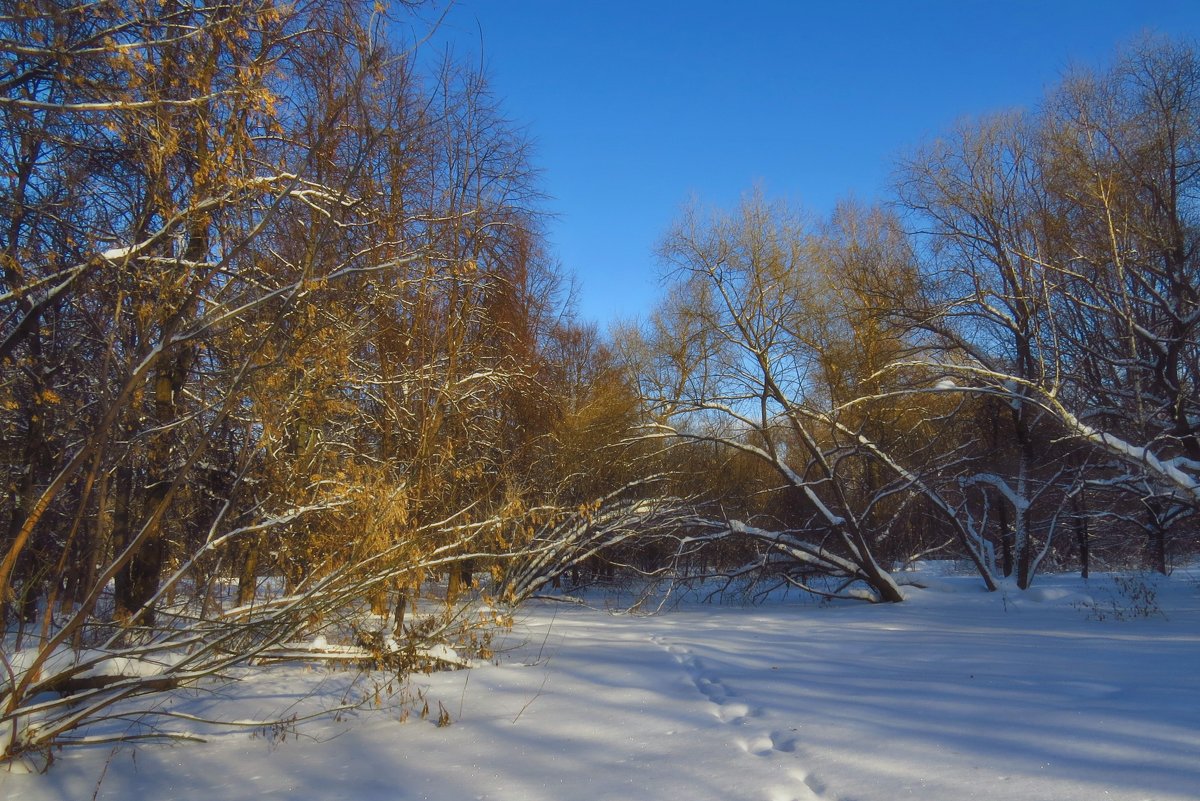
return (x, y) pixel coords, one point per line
(1065, 693)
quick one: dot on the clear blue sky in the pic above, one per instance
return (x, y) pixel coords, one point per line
(637, 106)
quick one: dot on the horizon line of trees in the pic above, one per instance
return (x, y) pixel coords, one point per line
(1001, 366)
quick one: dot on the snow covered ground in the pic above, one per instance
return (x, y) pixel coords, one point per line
(1065, 692)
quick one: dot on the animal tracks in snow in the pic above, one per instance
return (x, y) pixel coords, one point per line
(729, 710)
(764, 744)
(804, 787)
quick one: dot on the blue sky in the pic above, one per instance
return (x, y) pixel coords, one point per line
(635, 107)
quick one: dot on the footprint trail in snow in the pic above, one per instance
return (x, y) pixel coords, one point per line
(729, 710)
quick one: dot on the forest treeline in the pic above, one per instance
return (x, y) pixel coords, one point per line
(282, 340)
(998, 366)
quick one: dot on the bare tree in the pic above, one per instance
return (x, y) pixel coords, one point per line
(736, 360)
(1062, 251)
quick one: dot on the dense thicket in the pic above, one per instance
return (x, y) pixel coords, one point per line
(280, 339)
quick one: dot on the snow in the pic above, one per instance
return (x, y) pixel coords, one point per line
(114, 254)
(126, 666)
(955, 694)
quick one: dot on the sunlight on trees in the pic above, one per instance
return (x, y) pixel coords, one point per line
(1063, 254)
(274, 303)
(1012, 383)
(285, 354)
(749, 310)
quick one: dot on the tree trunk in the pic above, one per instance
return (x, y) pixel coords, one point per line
(401, 610)
(122, 519)
(1158, 548)
(1082, 536)
(146, 563)
(248, 573)
(1006, 538)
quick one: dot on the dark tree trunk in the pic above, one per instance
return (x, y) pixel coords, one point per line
(121, 536)
(248, 572)
(1158, 549)
(1082, 536)
(1006, 535)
